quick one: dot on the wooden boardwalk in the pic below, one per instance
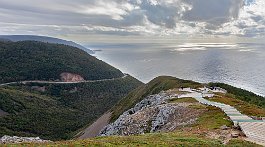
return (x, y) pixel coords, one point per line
(253, 129)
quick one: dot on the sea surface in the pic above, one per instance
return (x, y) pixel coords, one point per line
(238, 64)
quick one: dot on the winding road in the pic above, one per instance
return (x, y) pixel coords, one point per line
(55, 82)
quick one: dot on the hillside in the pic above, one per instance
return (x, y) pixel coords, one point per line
(155, 114)
(31, 60)
(153, 87)
(55, 110)
(44, 39)
(242, 95)
(60, 110)
(157, 107)
(165, 83)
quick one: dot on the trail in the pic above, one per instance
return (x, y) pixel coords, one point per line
(253, 129)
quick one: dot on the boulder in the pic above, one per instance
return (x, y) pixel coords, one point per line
(235, 134)
(224, 127)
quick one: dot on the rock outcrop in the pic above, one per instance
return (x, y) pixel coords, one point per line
(70, 77)
(39, 88)
(15, 139)
(152, 114)
(3, 113)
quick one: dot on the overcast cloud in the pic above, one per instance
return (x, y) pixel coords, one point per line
(133, 17)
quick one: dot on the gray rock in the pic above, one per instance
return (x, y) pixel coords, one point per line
(224, 127)
(15, 139)
(235, 134)
(162, 117)
(152, 114)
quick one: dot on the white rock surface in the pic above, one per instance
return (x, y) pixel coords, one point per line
(152, 114)
(15, 139)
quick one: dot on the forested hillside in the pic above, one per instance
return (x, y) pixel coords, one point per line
(55, 111)
(58, 111)
(31, 60)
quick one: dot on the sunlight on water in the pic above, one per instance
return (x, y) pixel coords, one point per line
(238, 64)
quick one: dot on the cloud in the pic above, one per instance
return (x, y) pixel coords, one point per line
(160, 12)
(251, 20)
(133, 17)
(213, 11)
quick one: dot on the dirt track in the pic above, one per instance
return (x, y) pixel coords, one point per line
(94, 129)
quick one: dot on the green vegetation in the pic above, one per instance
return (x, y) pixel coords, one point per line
(60, 111)
(241, 143)
(73, 100)
(31, 60)
(153, 87)
(241, 94)
(212, 118)
(176, 139)
(183, 100)
(197, 106)
(242, 106)
(55, 111)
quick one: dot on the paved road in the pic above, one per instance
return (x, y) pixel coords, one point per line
(54, 82)
(253, 129)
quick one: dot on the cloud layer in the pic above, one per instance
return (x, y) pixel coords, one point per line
(133, 17)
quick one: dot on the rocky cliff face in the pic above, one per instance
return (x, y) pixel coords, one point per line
(70, 77)
(153, 114)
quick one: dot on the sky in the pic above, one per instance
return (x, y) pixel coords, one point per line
(118, 18)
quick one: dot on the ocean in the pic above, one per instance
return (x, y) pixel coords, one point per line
(241, 64)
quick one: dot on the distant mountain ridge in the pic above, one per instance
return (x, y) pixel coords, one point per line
(45, 39)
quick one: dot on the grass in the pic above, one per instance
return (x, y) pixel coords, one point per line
(183, 100)
(213, 118)
(176, 139)
(242, 94)
(242, 106)
(197, 106)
